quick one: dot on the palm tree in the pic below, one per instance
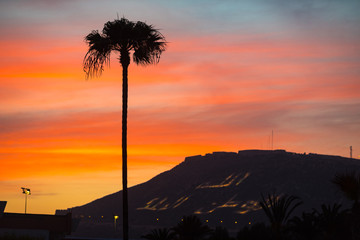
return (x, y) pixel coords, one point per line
(349, 184)
(278, 210)
(334, 223)
(191, 228)
(159, 234)
(146, 44)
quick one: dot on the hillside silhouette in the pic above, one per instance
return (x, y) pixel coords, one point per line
(222, 188)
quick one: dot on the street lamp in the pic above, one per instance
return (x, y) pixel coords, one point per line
(115, 218)
(27, 192)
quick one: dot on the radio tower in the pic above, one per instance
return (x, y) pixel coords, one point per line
(350, 151)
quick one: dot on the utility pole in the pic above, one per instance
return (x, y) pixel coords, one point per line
(272, 139)
(350, 151)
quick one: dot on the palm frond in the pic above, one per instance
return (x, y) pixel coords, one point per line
(266, 206)
(349, 184)
(148, 44)
(191, 226)
(121, 33)
(160, 234)
(278, 209)
(142, 40)
(288, 201)
(98, 54)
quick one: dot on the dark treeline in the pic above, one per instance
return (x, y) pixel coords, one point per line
(329, 222)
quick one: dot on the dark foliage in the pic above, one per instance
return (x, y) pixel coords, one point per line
(220, 233)
(160, 234)
(349, 184)
(305, 227)
(257, 231)
(278, 209)
(122, 36)
(191, 228)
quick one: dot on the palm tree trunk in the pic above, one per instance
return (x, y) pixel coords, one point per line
(124, 153)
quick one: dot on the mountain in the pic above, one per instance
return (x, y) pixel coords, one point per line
(222, 188)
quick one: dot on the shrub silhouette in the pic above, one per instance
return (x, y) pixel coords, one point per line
(258, 231)
(220, 233)
(191, 228)
(305, 227)
(160, 234)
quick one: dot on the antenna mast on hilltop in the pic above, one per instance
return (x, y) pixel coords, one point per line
(350, 151)
(270, 142)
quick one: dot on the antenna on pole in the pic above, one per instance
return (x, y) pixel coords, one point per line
(350, 151)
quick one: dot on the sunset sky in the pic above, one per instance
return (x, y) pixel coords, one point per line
(233, 72)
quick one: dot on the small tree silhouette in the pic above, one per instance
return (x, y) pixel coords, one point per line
(191, 228)
(220, 233)
(306, 226)
(160, 234)
(257, 231)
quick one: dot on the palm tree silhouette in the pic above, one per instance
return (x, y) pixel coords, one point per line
(306, 226)
(159, 234)
(124, 37)
(349, 184)
(278, 210)
(333, 222)
(191, 228)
